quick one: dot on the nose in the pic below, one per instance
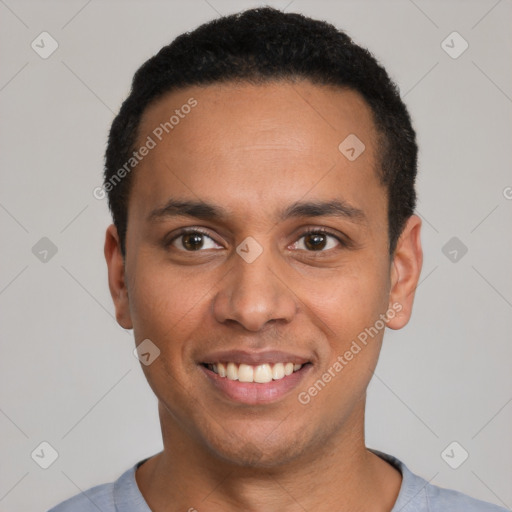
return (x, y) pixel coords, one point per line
(254, 295)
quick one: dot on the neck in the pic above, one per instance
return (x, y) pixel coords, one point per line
(340, 474)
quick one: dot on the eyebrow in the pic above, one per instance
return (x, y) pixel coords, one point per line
(207, 211)
(198, 209)
(334, 208)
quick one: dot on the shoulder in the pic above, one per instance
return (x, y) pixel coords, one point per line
(123, 494)
(441, 500)
(99, 497)
(418, 495)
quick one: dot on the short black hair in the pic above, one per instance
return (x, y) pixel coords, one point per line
(258, 46)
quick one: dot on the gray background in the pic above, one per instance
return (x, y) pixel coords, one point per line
(68, 375)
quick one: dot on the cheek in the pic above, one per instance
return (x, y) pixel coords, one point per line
(348, 300)
(347, 310)
(167, 306)
(166, 303)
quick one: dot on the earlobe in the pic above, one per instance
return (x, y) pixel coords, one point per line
(405, 272)
(116, 277)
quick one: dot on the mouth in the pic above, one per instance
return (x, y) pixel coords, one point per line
(260, 374)
(254, 378)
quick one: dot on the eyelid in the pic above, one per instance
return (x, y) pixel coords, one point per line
(187, 230)
(343, 240)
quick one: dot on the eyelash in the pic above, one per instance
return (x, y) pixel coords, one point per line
(186, 231)
(322, 231)
(308, 231)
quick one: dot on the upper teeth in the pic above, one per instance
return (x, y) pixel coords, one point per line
(261, 373)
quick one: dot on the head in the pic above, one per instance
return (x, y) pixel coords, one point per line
(269, 216)
(264, 46)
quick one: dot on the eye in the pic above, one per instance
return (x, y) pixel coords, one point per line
(317, 241)
(193, 240)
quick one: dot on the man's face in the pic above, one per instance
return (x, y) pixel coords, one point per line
(289, 265)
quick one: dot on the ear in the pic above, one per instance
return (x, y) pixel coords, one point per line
(405, 272)
(116, 277)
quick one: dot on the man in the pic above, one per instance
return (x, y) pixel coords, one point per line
(261, 180)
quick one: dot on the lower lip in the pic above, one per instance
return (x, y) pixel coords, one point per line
(253, 393)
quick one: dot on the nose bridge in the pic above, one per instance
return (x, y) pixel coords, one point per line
(253, 293)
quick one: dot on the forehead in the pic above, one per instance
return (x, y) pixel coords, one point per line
(245, 142)
(324, 112)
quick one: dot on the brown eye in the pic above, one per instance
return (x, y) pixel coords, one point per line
(317, 241)
(193, 240)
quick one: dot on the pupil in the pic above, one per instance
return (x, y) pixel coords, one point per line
(315, 241)
(193, 241)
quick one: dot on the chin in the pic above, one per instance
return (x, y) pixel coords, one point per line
(258, 450)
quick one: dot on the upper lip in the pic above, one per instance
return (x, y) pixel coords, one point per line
(254, 358)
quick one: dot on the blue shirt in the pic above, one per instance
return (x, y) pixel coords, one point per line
(416, 495)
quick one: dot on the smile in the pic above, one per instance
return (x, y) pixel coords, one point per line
(261, 373)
